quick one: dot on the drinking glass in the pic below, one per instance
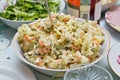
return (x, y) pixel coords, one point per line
(93, 72)
(4, 41)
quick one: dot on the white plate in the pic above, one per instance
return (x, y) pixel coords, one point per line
(113, 25)
(106, 4)
(13, 71)
(113, 57)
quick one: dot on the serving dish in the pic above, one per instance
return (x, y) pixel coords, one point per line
(15, 23)
(10, 70)
(93, 72)
(112, 18)
(106, 4)
(113, 58)
(103, 51)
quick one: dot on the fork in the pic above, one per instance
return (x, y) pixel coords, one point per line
(46, 2)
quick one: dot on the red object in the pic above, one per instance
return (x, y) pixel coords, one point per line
(92, 8)
(74, 2)
(118, 60)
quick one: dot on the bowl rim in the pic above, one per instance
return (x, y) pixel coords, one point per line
(15, 20)
(109, 3)
(62, 3)
(62, 70)
(95, 65)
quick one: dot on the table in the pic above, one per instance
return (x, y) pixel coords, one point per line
(9, 52)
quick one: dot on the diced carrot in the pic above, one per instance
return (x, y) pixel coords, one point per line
(75, 47)
(52, 32)
(41, 28)
(82, 33)
(96, 43)
(78, 57)
(96, 39)
(28, 38)
(90, 59)
(58, 61)
(40, 63)
(44, 50)
(48, 49)
(66, 19)
(41, 43)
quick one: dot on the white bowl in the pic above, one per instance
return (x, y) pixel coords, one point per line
(94, 72)
(107, 5)
(15, 24)
(18, 51)
(12, 23)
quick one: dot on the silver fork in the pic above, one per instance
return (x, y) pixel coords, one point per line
(46, 2)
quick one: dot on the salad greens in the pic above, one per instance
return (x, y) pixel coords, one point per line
(27, 10)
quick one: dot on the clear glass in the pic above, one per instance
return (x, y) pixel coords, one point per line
(94, 72)
(4, 41)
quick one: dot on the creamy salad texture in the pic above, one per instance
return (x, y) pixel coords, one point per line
(62, 44)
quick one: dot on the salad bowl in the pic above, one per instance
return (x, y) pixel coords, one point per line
(52, 68)
(16, 15)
